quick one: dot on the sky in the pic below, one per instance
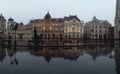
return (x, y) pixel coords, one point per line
(26, 10)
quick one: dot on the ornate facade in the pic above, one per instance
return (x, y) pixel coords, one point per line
(98, 29)
(49, 27)
(73, 27)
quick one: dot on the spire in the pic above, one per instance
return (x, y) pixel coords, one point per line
(1, 15)
(47, 16)
(10, 19)
(94, 18)
(48, 10)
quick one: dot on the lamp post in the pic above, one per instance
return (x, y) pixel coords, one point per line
(35, 39)
(35, 36)
(15, 37)
(15, 27)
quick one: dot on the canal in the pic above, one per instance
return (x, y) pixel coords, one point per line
(61, 57)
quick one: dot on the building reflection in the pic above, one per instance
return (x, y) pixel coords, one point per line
(70, 51)
(2, 51)
(54, 52)
(117, 56)
(2, 54)
(11, 51)
(96, 51)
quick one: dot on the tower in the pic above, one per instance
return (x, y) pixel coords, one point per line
(117, 21)
(2, 26)
(9, 23)
(47, 16)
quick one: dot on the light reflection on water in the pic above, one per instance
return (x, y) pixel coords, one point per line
(97, 58)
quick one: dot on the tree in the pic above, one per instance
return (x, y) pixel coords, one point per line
(15, 27)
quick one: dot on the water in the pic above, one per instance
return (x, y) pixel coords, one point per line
(94, 58)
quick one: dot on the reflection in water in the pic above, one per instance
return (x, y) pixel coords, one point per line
(95, 57)
(49, 53)
(2, 51)
(12, 54)
(2, 54)
(97, 51)
(117, 56)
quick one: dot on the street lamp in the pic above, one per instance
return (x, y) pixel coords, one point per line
(15, 27)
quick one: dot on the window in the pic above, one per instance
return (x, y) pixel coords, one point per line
(74, 21)
(92, 30)
(92, 26)
(105, 27)
(96, 35)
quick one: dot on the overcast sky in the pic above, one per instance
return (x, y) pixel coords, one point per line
(25, 10)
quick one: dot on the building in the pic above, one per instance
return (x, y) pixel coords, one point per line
(97, 29)
(18, 30)
(117, 21)
(49, 27)
(25, 31)
(10, 28)
(67, 27)
(10, 23)
(111, 29)
(73, 27)
(2, 26)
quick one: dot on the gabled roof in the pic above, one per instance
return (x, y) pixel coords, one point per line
(70, 18)
(95, 20)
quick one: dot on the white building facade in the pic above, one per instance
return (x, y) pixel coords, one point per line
(73, 27)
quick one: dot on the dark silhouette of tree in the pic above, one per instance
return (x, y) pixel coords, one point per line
(15, 27)
(35, 33)
(21, 23)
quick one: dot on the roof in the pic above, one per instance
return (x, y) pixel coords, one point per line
(47, 16)
(70, 18)
(24, 27)
(10, 19)
(2, 17)
(57, 20)
(95, 20)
